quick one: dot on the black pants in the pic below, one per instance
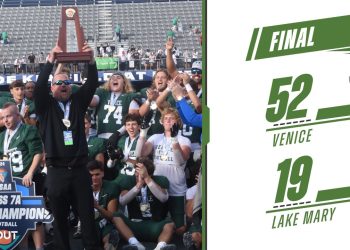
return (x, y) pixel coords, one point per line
(119, 36)
(71, 186)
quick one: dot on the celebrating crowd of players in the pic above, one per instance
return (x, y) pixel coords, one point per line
(126, 163)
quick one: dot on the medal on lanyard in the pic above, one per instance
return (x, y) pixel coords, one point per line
(66, 123)
(144, 205)
(164, 156)
(22, 107)
(113, 100)
(96, 198)
(67, 135)
(110, 108)
(165, 150)
(153, 105)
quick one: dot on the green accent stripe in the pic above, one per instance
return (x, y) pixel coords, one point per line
(308, 124)
(303, 37)
(205, 129)
(333, 194)
(302, 207)
(206, 125)
(252, 44)
(342, 49)
(333, 112)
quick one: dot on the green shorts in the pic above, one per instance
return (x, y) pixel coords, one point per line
(146, 230)
(104, 230)
(176, 207)
(195, 229)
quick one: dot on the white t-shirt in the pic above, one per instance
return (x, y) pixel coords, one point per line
(191, 192)
(163, 157)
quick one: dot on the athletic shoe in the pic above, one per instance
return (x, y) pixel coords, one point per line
(168, 247)
(187, 240)
(137, 246)
(77, 233)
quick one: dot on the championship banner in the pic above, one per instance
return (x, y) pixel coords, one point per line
(106, 63)
(20, 209)
(283, 155)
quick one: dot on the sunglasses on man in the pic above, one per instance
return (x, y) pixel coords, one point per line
(196, 71)
(60, 82)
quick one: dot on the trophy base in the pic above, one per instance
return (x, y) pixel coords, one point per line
(67, 57)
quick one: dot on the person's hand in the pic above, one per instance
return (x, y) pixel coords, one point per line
(52, 56)
(178, 92)
(111, 152)
(152, 94)
(26, 112)
(145, 125)
(140, 181)
(114, 153)
(142, 170)
(197, 154)
(27, 179)
(174, 130)
(172, 83)
(169, 44)
(185, 78)
(86, 48)
(197, 178)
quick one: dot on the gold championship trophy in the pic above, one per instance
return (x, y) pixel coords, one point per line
(71, 38)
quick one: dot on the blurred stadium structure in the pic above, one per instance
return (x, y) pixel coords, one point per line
(32, 25)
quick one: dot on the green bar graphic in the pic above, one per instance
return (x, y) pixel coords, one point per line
(302, 37)
(333, 194)
(205, 131)
(333, 112)
(252, 44)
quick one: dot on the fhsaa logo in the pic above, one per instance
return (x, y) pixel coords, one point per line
(20, 209)
(70, 12)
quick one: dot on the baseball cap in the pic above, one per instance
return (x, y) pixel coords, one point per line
(118, 73)
(197, 65)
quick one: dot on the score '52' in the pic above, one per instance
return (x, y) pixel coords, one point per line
(279, 104)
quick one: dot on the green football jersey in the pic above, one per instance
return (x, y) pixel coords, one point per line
(145, 205)
(92, 114)
(5, 94)
(129, 150)
(95, 146)
(24, 144)
(192, 133)
(109, 191)
(90, 111)
(110, 115)
(5, 99)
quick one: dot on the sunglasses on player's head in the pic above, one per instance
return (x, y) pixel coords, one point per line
(60, 82)
(196, 71)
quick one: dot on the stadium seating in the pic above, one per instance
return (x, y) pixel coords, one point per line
(146, 24)
(35, 28)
